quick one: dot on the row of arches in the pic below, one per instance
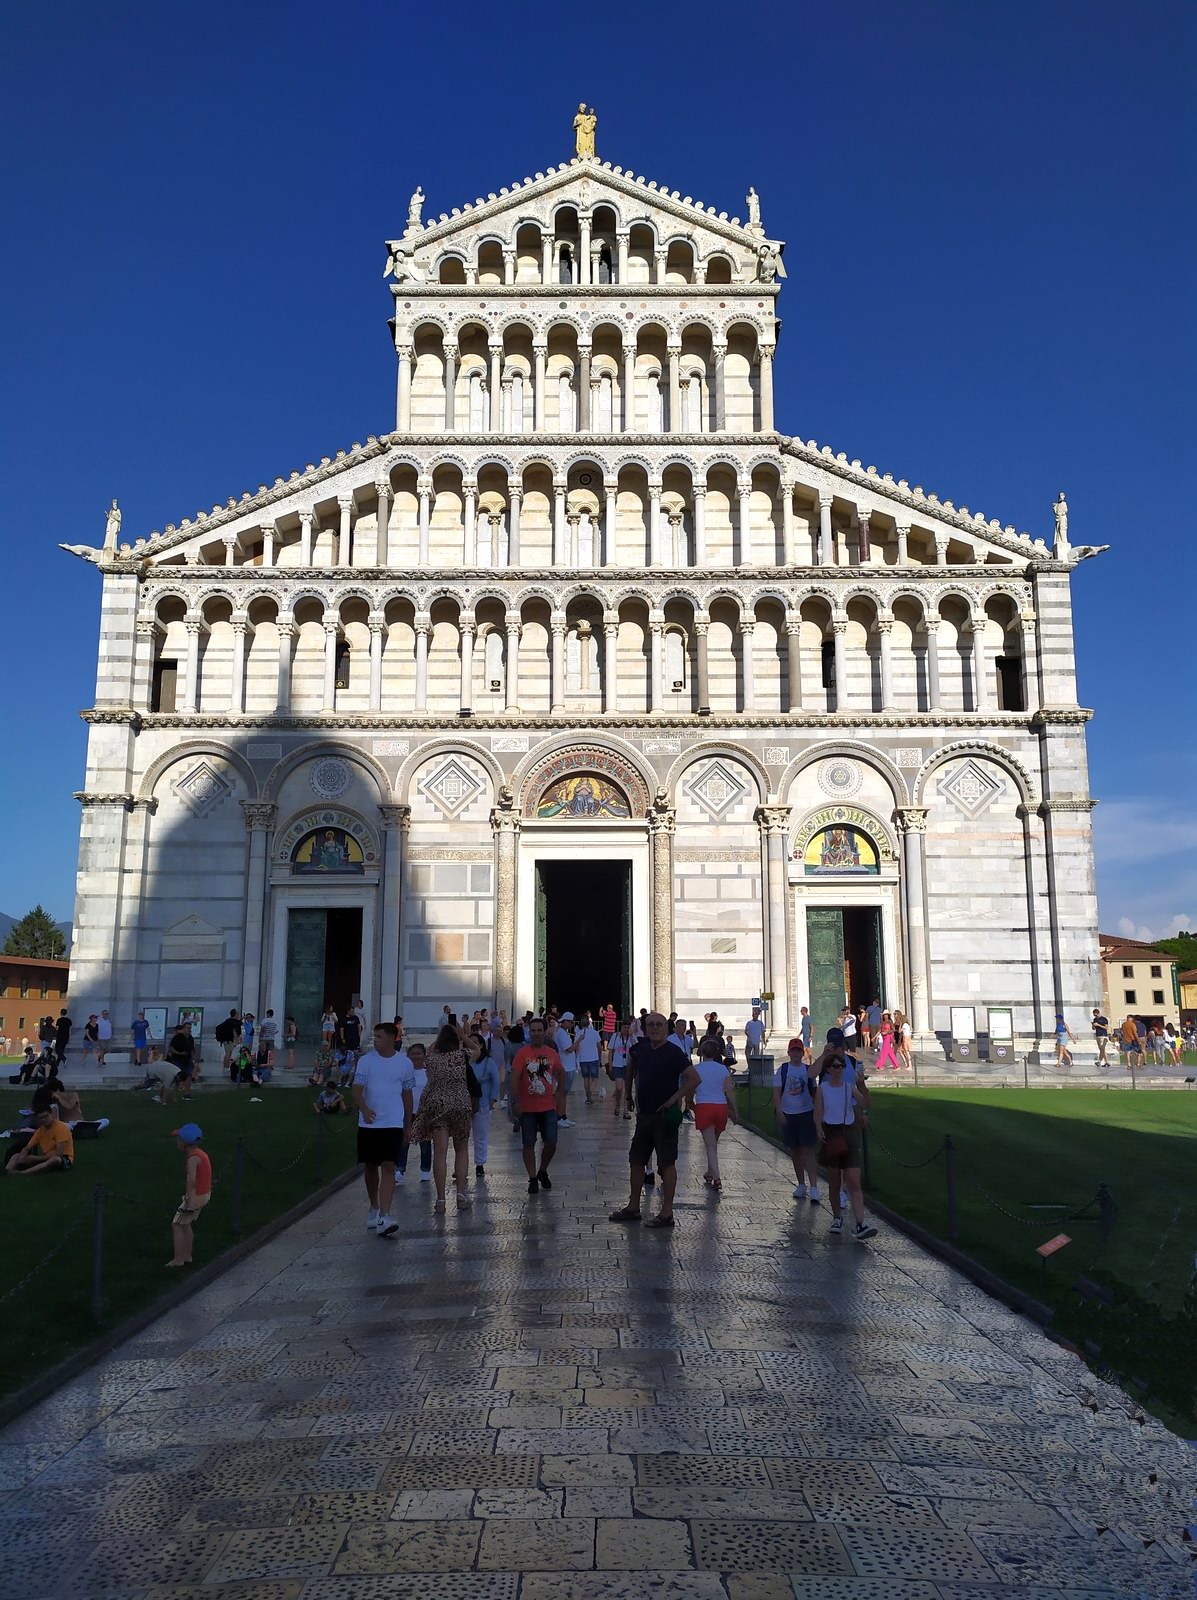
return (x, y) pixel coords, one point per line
(589, 656)
(583, 247)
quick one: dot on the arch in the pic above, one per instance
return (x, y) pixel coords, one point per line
(444, 746)
(416, 598)
(492, 458)
(679, 591)
(632, 459)
(353, 591)
(607, 757)
(679, 459)
(310, 818)
(308, 591)
(952, 591)
(766, 592)
(403, 458)
(645, 221)
(449, 459)
(154, 598)
(1023, 779)
(261, 591)
(733, 597)
(834, 813)
(533, 592)
(583, 591)
(447, 266)
(429, 319)
(730, 752)
(184, 752)
(865, 754)
(346, 752)
(917, 597)
(517, 320)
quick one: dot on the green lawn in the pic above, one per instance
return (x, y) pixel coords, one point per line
(137, 1160)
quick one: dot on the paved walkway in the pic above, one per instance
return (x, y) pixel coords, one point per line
(528, 1401)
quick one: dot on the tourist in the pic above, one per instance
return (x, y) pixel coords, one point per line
(1130, 1043)
(249, 1030)
(329, 1102)
(180, 1055)
(589, 1046)
(794, 1108)
(806, 1027)
(873, 1019)
(838, 1128)
(535, 1079)
(104, 1027)
(1064, 1037)
(1141, 1039)
(446, 1113)
(609, 1020)
(617, 1063)
(62, 1034)
(382, 1092)
(486, 1071)
(415, 1053)
(714, 1101)
(228, 1035)
(1172, 1043)
(517, 1038)
(1159, 1046)
(660, 1080)
(566, 1046)
(91, 1039)
(267, 1039)
(197, 1191)
(903, 1037)
(328, 1028)
(290, 1039)
(679, 1036)
(885, 1037)
(140, 1031)
(1101, 1036)
(51, 1148)
(754, 1033)
(350, 1034)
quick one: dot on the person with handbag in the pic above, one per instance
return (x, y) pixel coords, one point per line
(447, 1105)
(838, 1127)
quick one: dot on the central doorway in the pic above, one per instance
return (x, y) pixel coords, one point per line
(844, 960)
(584, 935)
(324, 964)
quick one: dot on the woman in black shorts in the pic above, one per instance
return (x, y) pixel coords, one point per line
(838, 1128)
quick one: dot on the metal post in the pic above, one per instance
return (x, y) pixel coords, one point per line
(866, 1167)
(1106, 1201)
(914, 1057)
(949, 1156)
(1026, 1062)
(97, 1252)
(238, 1179)
(320, 1129)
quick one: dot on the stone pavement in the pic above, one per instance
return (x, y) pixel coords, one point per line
(528, 1401)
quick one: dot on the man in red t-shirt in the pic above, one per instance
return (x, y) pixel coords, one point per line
(536, 1073)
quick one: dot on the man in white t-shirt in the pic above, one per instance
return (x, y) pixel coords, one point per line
(566, 1045)
(383, 1085)
(754, 1034)
(103, 1037)
(589, 1046)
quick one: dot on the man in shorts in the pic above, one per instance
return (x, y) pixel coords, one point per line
(794, 1108)
(140, 1031)
(754, 1033)
(180, 1056)
(566, 1044)
(659, 1080)
(104, 1032)
(52, 1147)
(536, 1074)
(1101, 1036)
(589, 1050)
(383, 1084)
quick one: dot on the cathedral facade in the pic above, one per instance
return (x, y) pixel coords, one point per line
(585, 683)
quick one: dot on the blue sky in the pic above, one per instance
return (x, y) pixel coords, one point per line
(989, 214)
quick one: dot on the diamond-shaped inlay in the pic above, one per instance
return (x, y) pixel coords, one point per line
(202, 789)
(716, 787)
(451, 786)
(971, 788)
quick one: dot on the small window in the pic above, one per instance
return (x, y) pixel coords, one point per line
(1157, 997)
(164, 686)
(24, 991)
(1157, 972)
(342, 664)
(45, 991)
(20, 1023)
(829, 664)
(1128, 972)
(1129, 997)
(1009, 684)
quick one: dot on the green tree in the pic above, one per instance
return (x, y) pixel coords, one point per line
(36, 935)
(1182, 948)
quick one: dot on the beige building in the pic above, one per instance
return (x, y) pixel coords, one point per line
(1138, 981)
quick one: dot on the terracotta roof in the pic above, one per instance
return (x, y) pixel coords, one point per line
(1187, 977)
(35, 961)
(1138, 952)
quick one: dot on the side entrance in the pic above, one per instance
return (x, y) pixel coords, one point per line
(583, 934)
(844, 961)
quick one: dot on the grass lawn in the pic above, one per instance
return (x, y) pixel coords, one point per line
(137, 1160)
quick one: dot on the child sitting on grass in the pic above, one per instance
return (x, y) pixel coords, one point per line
(329, 1102)
(197, 1176)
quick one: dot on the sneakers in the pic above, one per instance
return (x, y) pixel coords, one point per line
(814, 1195)
(533, 1186)
(373, 1217)
(844, 1198)
(837, 1224)
(386, 1227)
(864, 1230)
(480, 1171)
(543, 1179)
(799, 1191)
(425, 1177)
(400, 1176)
(649, 1177)
(564, 1122)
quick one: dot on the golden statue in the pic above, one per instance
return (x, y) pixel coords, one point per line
(584, 126)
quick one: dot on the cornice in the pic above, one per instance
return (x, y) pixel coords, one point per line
(1061, 716)
(862, 725)
(99, 716)
(574, 292)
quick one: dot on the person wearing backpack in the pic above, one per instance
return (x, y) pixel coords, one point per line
(227, 1035)
(794, 1108)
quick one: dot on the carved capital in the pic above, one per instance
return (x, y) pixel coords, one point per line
(146, 627)
(912, 819)
(395, 817)
(345, 501)
(260, 815)
(382, 488)
(772, 819)
(885, 625)
(504, 821)
(306, 519)
(286, 627)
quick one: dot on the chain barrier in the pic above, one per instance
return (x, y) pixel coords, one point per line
(277, 1172)
(910, 1166)
(45, 1261)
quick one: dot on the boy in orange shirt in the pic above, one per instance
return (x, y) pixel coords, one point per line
(197, 1172)
(52, 1148)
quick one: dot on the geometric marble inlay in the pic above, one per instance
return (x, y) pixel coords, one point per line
(329, 777)
(839, 777)
(202, 788)
(715, 787)
(451, 786)
(970, 788)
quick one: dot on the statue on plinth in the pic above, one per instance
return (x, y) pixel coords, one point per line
(768, 264)
(584, 125)
(1060, 507)
(753, 201)
(415, 207)
(112, 526)
(402, 265)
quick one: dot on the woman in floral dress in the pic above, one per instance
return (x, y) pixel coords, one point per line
(446, 1112)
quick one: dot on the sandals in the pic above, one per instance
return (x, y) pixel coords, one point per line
(463, 1200)
(660, 1222)
(717, 1185)
(439, 1206)
(624, 1214)
(708, 1180)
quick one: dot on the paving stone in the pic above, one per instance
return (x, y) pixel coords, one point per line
(700, 1500)
(670, 1471)
(447, 1546)
(519, 1503)
(601, 1502)
(136, 1564)
(427, 1505)
(642, 1545)
(445, 1586)
(903, 1550)
(537, 1545)
(746, 1546)
(621, 1586)
(287, 1552)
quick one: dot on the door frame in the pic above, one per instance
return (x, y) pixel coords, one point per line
(874, 892)
(328, 897)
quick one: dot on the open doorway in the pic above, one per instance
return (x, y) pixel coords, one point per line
(844, 964)
(584, 935)
(324, 964)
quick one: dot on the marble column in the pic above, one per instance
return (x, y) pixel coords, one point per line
(240, 626)
(701, 626)
(509, 266)
(585, 420)
(230, 552)
(747, 673)
(396, 823)
(494, 541)
(583, 249)
(423, 627)
(573, 521)
(547, 257)
(621, 250)
(662, 822)
(557, 666)
(660, 265)
(903, 544)
(424, 494)
(679, 556)
(912, 824)
(513, 630)
(345, 531)
(515, 496)
(189, 699)
(656, 628)
(885, 628)
(469, 550)
(794, 661)
(774, 823)
(674, 355)
(506, 410)
(332, 631)
(268, 544)
(381, 552)
(286, 628)
(559, 545)
(403, 389)
(259, 823)
(934, 693)
(789, 549)
(496, 387)
(450, 387)
(981, 698)
(654, 524)
(145, 632)
(539, 356)
(863, 541)
(306, 518)
(720, 353)
(700, 525)
(378, 625)
(506, 825)
(826, 534)
(628, 398)
(467, 635)
(744, 499)
(610, 663)
(839, 632)
(610, 507)
(941, 549)
(766, 388)
(1030, 662)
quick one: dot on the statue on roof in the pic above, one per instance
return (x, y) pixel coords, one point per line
(1060, 507)
(584, 125)
(753, 201)
(415, 207)
(112, 527)
(768, 264)
(402, 265)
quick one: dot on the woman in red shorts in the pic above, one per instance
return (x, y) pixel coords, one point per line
(714, 1103)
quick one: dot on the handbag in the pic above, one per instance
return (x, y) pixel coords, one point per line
(835, 1146)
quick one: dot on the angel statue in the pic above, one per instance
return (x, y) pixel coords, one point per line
(769, 264)
(584, 125)
(414, 208)
(401, 264)
(112, 527)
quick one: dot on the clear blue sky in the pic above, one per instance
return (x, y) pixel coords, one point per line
(989, 210)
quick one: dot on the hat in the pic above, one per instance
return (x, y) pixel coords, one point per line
(567, 1016)
(796, 1044)
(190, 1133)
(835, 1036)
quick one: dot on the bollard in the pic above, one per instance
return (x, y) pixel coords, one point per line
(914, 1057)
(949, 1154)
(1106, 1202)
(97, 1253)
(1026, 1063)
(238, 1179)
(320, 1127)
(865, 1166)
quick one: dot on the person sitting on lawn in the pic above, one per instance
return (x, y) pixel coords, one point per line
(329, 1102)
(51, 1149)
(243, 1069)
(197, 1178)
